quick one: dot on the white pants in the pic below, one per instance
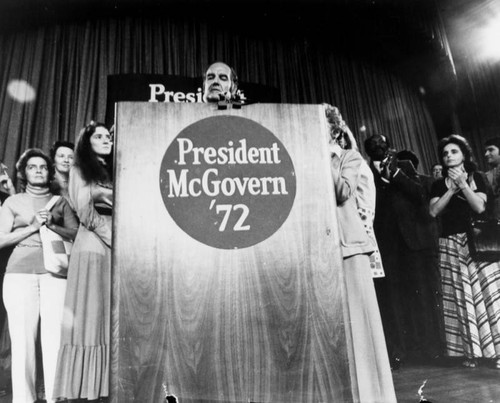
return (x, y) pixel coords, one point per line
(29, 298)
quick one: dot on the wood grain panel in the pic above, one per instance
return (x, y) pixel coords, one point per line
(260, 324)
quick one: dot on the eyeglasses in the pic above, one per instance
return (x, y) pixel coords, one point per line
(33, 167)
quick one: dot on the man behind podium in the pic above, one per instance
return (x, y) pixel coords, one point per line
(220, 82)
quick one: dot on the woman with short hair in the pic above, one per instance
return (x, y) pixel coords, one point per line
(370, 359)
(31, 294)
(62, 155)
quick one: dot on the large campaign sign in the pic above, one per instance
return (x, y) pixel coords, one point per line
(227, 270)
(228, 181)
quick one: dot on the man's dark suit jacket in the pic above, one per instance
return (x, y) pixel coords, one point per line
(402, 210)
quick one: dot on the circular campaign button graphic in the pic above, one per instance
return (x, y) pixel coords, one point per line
(228, 182)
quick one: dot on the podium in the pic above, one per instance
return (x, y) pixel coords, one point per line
(227, 270)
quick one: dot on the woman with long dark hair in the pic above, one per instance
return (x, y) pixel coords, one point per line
(32, 295)
(83, 362)
(471, 288)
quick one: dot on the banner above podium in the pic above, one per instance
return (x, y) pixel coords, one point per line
(164, 88)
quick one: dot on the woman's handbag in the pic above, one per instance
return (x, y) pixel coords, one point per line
(56, 249)
(483, 236)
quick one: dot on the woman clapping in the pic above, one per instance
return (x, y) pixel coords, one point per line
(471, 288)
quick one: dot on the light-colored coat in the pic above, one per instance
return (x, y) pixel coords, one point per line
(345, 172)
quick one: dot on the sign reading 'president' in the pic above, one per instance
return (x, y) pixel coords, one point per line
(228, 182)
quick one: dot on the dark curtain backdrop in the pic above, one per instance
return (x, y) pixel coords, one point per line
(478, 106)
(468, 26)
(67, 65)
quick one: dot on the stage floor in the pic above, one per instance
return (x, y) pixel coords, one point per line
(448, 383)
(445, 383)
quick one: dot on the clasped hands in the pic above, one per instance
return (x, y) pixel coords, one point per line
(389, 165)
(42, 217)
(458, 178)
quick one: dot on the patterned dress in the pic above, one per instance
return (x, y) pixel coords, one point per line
(471, 289)
(471, 300)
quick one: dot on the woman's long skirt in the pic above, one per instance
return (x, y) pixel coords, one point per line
(371, 362)
(83, 361)
(471, 300)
